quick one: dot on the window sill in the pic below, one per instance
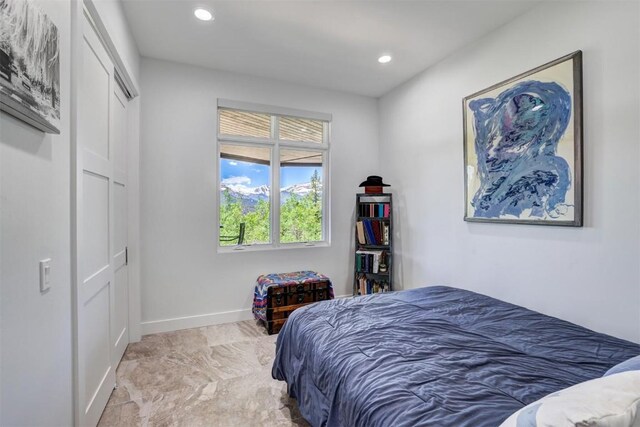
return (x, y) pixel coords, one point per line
(264, 247)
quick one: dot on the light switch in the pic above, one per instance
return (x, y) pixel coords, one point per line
(45, 274)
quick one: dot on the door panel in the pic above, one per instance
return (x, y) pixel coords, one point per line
(120, 323)
(102, 294)
(121, 313)
(97, 77)
(95, 232)
(119, 133)
(120, 217)
(97, 327)
(94, 217)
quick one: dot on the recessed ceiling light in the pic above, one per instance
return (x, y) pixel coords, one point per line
(203, 14)
(384, 59)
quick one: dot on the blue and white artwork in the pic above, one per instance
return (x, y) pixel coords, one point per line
(522, 156)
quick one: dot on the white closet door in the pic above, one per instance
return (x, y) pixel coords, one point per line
(120, 305)
(95, 220)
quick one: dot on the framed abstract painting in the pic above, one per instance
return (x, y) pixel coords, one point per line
(523, 147)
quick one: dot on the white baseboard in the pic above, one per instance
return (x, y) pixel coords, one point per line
(200, 320)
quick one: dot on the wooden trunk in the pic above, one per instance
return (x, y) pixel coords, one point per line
(283, 300)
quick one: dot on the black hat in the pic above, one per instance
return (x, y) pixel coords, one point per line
(373, 181)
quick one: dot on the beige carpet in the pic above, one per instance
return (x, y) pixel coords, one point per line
(213, 376)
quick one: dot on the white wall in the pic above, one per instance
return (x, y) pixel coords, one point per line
(586, 275)
(115, 22)
(35, 352)
(182, 274)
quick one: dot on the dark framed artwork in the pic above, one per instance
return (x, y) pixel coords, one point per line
(29, 65)
(523, 147)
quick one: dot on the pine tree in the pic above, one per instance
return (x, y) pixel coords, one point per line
(315, 186)
(230, 216)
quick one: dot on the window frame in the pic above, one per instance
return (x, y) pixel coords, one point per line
(275, 144)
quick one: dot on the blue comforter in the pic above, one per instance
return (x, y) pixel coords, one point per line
(435, 356)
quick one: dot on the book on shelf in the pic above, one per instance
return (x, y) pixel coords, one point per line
(368, 261)
(360, 231)
(385, 234)
(371, 238)
(374, 210)
(367, 286)
(372, 232)
(376, 226)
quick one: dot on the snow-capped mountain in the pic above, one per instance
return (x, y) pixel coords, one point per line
(297, 189)
(242, 191)
(250, 195)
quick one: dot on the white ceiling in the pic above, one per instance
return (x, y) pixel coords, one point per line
(330, 44)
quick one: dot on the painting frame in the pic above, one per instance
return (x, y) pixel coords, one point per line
(30, 65)
(576, 183)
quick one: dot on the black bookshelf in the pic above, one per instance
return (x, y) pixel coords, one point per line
(373, 255)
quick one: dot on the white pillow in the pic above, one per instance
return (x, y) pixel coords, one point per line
(612, 401)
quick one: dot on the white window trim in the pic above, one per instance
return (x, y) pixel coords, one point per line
(275, 145)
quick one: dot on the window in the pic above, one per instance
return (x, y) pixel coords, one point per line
(273, 165)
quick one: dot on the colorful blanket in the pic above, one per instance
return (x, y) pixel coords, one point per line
(266, 281)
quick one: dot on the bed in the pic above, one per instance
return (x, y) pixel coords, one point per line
(434, 356)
